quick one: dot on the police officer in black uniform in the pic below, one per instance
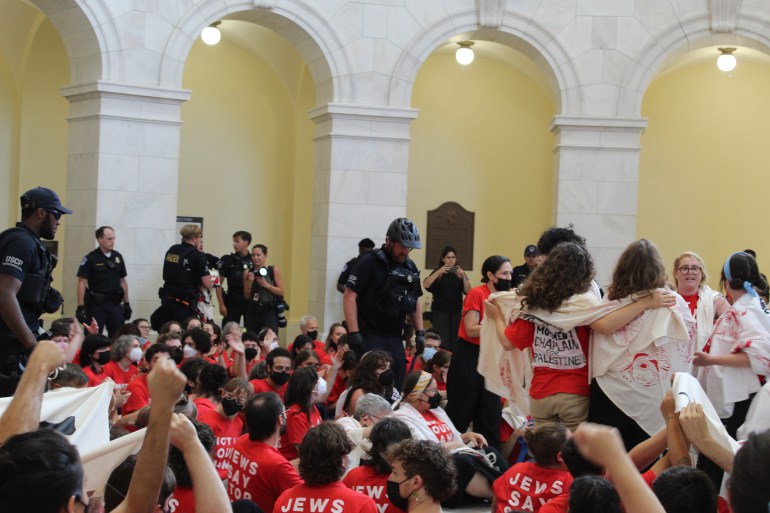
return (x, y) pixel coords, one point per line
(102, 287)
(364, 245)
(531, 260)
(381, 291)
(25, 282)
(232, 304)
(184, 272)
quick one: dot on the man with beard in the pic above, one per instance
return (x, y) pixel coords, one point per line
(381, 292)
(26, 269)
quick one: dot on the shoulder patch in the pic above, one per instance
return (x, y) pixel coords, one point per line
(83, 262)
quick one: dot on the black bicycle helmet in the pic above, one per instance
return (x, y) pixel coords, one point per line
(404, 231)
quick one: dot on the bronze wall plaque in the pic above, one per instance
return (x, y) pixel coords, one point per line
(450, 225)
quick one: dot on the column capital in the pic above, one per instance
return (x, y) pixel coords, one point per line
(362, 112)
(112, 89)
(598, 132)
(603, 123)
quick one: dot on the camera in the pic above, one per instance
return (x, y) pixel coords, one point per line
(453, 269)
(262, 272)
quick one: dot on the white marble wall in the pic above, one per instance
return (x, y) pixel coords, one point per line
(599, 55)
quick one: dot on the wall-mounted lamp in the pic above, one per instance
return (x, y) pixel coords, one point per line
(726, 60)
(464, 54)
(211, 34)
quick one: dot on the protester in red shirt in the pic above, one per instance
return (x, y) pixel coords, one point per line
(278, 363)
(140, 393)
(94, 355)
(323, 455)
(372, 476)
(125, 351)
(526, 486)
(301, 413)
(256, 470)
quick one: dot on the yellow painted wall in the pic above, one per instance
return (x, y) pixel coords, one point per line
(703, 178)
(481, 139)
(246, 157)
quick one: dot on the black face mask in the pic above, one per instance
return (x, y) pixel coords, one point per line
(102, 358)
(394, 494)
(386, 378)
(177, 355)
(250, 353)
(279, 378)
(231, 406)
(313, 334)
(502, 285)
(434, 401)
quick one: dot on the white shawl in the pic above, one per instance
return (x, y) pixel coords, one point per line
(634, 365)
(419, 426)
(745, 327)
(704, 315)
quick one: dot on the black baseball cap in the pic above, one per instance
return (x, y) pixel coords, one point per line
(41, 197)
(531, 251)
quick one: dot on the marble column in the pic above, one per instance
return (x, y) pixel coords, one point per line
(122, 171)
(597, 177)
(361, 161)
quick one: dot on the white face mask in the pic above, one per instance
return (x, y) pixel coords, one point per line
(189, 352)
(273, 345)
(320, 388)
(135, 355)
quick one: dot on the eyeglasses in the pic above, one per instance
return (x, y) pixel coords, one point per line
(55, 213)
(689, 270)
(238, 401)
(143, 327)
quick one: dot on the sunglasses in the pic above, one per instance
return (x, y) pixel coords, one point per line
(55, 213)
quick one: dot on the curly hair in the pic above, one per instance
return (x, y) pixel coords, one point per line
(555, 236)
(428, 460)
(567, 271)
(321, 453)
(364, 375)
(211, 378)
(384, 434)
(545, 442)
(639, 268)
(201, 340)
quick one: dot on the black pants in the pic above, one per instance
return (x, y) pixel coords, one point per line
(260, 316)
(171, 310)
(731, 424)
(468, 466)
(392, 345)
(236, 307)
(108, 314)
(446, 324)
(469, 400)
(601, 410)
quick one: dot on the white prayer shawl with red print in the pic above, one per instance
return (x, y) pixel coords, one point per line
(634, 365)
(745, 327)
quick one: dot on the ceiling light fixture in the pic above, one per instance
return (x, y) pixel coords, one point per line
(726, 60)
(211, 34)
(464, 54)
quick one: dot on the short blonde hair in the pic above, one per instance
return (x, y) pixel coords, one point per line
(701, 264)
(190, 231)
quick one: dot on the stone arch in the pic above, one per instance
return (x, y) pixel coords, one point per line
(296, 21)
(521, 34)
(676, 42)
(88, 34)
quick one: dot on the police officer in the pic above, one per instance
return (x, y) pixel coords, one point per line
(531, 260)
(232, 304)
(184, 272)
(364, 245)
(102, 287)
(25, 281)
(382, 290)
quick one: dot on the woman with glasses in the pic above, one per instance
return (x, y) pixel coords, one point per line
(224, 418)
(706, 304)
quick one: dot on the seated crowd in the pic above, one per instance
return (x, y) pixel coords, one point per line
(235, 422)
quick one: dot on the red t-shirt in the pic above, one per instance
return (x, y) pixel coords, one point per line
(558, 504)
(261, 385)
(692, 302)
(118, 375)
(183, 500)
(365, 480)
(297, 424)
(474, 301)
(203, 404)
(438, 426)
(227, 432)
(559, 358)
(258, 472)
(94, 379)
(339, 386)
(140, 394)
(331, 498)
(527, 486)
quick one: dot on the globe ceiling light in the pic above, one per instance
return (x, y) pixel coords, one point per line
(726, 60)
(464, 54)
(211, 34)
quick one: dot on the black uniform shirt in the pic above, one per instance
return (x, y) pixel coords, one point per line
(103, 272)
(21, 253)
(519, 274)
(184, 266)
(231, 268)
